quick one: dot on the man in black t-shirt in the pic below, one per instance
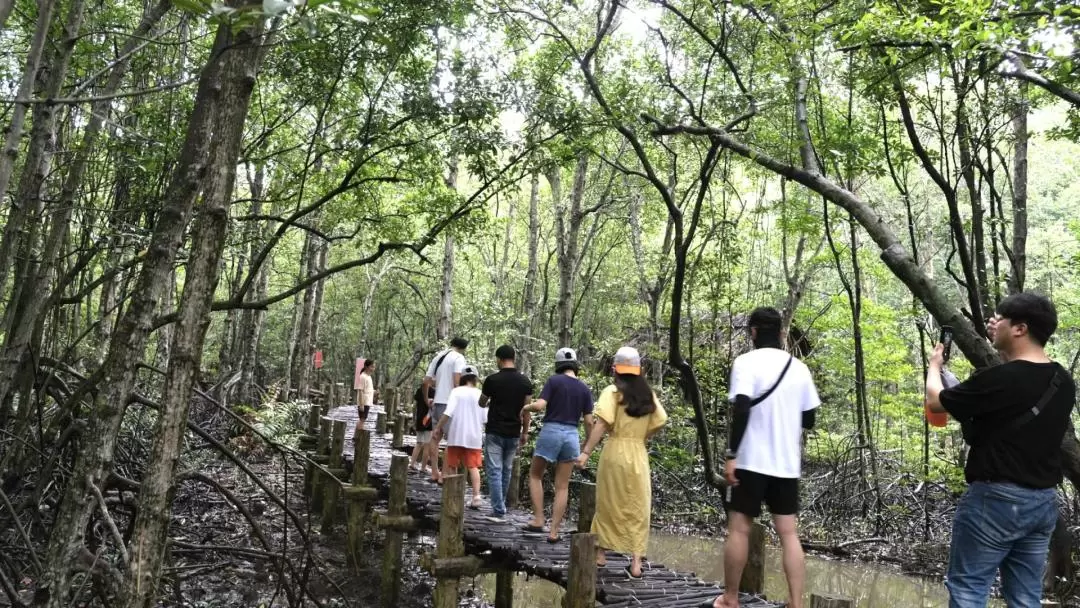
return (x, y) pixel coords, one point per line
(505, 392)
(1014, 417)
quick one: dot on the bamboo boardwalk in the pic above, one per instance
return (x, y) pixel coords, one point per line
(507, 546)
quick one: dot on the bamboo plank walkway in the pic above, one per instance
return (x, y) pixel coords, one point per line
(506, 545)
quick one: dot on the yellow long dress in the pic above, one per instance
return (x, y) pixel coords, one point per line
(623, 485)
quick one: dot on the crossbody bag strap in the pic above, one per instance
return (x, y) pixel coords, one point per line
(766, 394)
(438, 363)
(1032, 412)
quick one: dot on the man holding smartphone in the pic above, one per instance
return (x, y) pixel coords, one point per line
(1014, 417)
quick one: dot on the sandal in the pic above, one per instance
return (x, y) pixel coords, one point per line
(630, 573)
(532, 528)
(553, 541)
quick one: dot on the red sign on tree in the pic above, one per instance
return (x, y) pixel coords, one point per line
(318, 359)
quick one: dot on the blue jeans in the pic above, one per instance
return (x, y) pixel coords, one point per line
(1006, 526)
(499, 453)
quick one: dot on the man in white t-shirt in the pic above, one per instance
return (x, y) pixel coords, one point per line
(774, 400)
(444, 373)
(465, 437)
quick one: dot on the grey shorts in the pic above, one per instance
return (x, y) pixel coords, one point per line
(423, 437)
(437, 411)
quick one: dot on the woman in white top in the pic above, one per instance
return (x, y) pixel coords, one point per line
(465, 437)
(367, 388)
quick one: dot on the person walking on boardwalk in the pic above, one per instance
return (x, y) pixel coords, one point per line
(774, 400)
(504, 393)
(1013, 416)
(423, 426)
(366, 392)
(463, 423)
(565, 401)
(629, 411)
(444, 373)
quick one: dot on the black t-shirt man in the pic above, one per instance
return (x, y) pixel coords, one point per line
(990, 400)
(507, 390)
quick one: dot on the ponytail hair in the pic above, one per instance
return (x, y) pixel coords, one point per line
(636, 394)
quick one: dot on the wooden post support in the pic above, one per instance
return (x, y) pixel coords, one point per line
(399, 432)
(753, 578)
(331, 485)
(380, 423)
(322, 446)
(504, 589)
(395, 523)
(358, 500)
(830, 601)
(586, 505)
(322, 456)
(311, 431)
(581, 583)
(451, 542)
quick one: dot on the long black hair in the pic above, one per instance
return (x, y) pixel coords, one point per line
(636, 394)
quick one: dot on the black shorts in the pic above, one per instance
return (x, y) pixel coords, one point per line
(781, 494)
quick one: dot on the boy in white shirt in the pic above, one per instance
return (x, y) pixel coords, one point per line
(465, 437)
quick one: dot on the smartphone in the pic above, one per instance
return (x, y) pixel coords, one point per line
(946, 340)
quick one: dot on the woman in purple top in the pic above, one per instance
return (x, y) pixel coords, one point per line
(565, 400)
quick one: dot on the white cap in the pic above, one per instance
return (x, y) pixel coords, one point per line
(469, 371)
(566, 357)
(627, 361)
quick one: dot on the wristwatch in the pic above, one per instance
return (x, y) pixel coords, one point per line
(730, 455)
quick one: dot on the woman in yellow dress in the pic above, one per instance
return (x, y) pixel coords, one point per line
(631, 413)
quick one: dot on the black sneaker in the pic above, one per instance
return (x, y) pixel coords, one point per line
(497, 518)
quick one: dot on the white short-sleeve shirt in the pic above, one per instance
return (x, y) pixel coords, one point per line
(454, 363)
(772, 444)
(467, 418)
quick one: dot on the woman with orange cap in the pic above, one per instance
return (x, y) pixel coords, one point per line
(630, 413)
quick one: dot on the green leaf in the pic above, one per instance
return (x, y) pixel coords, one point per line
(192, 6)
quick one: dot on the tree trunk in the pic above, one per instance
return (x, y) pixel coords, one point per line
(528, 315)
(969, 282)
(165, 334)
(157, 487)
(118, 373)
(446, 293)
(1018, 258)
(301, 358)
(967, 171)
(5, 11)
(10, 151)
(26, 302)
(567, 233)
(252, 320)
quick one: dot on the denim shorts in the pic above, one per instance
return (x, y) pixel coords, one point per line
(558, 442)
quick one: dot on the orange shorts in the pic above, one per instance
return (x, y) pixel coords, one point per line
(466, 457)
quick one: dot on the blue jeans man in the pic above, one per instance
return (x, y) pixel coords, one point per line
(1006, 526)
(499, 454)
